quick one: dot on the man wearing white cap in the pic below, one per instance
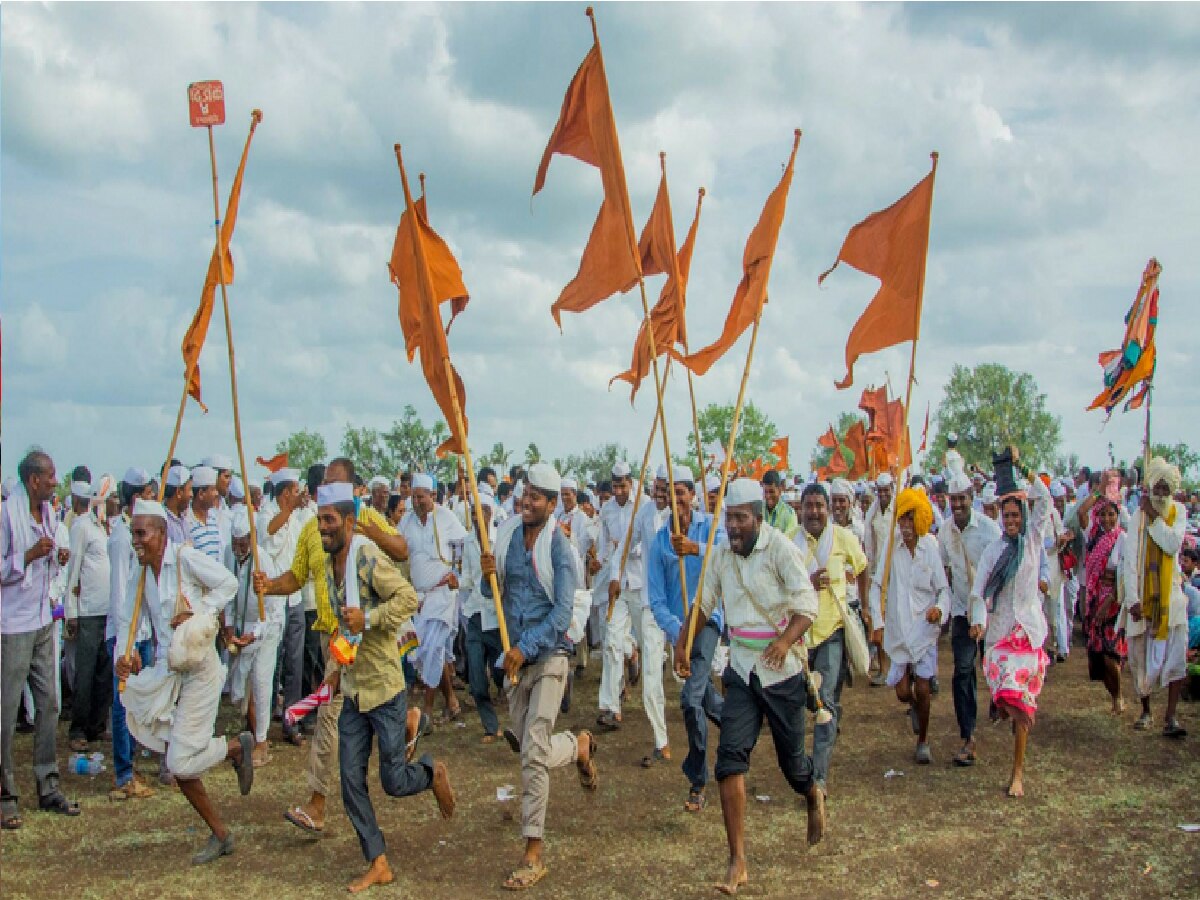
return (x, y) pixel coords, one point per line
(572, 520)
(962, 539)
(177, 497)
(698, 699)
(978, 483)
(619, 645)
(766, 672)
(712, 487)
(954, 461)
(538, 575)
(252, 668)
(203, 528)
(223, 466)
(435, 539)
(173, 705)
(378, 491)
(87, 607)
(278, 534)
(878, 524)
(989, 503)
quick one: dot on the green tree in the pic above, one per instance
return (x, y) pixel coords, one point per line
(532, 454)
(821, 455)
(1180, 455)
(594, 465)
(990, 407)
(755, 433)
(365, 447)
(304, 448)
(410, 444)
(497, 458)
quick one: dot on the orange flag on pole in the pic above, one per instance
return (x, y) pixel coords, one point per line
(891, 245)
(925, 432)
(193, 340)
(275, 463)
(779, 449)
(587, 131)
(856, 442)
(751, 293)
(426, 274)
(668, 315)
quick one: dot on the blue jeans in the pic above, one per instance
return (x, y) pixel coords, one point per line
(700, 702)
(827, 658)
(483, 649)
(356, 729)
(122, 742)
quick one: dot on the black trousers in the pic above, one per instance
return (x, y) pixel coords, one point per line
(784, 706)
(92, 695)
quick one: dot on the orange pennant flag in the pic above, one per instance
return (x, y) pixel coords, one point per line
(193, 341)
(275, 463)
(426, 274)
(828, 439)
(891, 245)
(668, 315)
(856, 442)
(587, 131)
(925, 433)
(779, 449)
(837, 466)
(751, 293)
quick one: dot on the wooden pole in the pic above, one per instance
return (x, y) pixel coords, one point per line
(658, 380)
(1153, 269)
(162, 489)
(687, 352)
(712, 531)
(912, 366)
(459, 423)
(255, 118)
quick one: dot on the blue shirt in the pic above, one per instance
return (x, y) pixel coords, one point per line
(662, 575)
(536, 623)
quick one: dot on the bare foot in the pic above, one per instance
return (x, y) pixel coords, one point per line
(734, 878)
(816, 814)
(442, 792)
(379, 873)
(1016, 788)
(1118, 706)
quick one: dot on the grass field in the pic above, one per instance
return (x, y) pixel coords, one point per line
(1100, 818)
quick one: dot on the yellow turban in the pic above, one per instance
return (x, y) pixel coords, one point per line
(913, 500)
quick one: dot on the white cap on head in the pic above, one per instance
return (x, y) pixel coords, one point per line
(989, 493)
(959, 484)
(135, 477)
(978, 476)
(218, 461)
(568, 482)
(743, 491)
(143, 507)
(712, 483)
(237, 490)
(1057, 490)
(841, 488)
(178, 476)
(283, 476)
(422, 481)
(660, 473)
(81, 489)
(682, 473)
(377, 481)
(622, 470)
(545, 477)
(204, 476)
(952, 438)
(240, 527)
(884, 480)
(519, 490)
(335, 492)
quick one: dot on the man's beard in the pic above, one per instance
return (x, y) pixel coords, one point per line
(1161, 504)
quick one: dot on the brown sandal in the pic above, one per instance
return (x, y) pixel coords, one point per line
(589, 778)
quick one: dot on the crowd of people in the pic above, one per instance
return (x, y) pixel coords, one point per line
(357, 610)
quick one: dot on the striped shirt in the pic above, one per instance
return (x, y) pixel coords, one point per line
(205, 537)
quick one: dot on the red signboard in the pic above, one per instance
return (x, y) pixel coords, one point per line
(206, 103)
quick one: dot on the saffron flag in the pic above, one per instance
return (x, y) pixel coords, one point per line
(1133, 365)
(856, 442)
(587, 131)
(837, 466)
(891, 245)
(193, 340)
(925, 433)
(667, 317)
(779, 449)
(426, 274)
(828, 439)
(751, 293)
(275, 463)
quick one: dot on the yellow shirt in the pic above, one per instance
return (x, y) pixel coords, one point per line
(309, 562)
(845, 556)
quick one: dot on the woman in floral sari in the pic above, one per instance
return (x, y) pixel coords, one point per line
(1107, 648)
(1006, 599)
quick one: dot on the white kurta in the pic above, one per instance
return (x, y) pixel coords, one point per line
(431, 552)
(918, 583)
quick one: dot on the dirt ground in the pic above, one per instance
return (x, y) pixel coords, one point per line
(1100, 818)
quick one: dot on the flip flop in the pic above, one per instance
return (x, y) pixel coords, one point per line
(525, 877)
(589, 779)
(696, 801)
(302, 820)
(410, 749)
(514, 742)
(964, 758)
(245, 767)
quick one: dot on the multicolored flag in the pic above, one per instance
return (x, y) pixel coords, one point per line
(1133, 365)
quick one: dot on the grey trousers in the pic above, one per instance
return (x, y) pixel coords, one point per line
(28, 656)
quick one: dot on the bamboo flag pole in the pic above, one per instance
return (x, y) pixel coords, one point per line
(162, 489)
(459, 423)
(255, 118)
(712, 530)
(658, 380)
(912, 366)
(637, 500)
(1153, 270)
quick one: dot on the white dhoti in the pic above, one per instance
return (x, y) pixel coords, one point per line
(618, 646)
(653, 698)
(1155, 664)
(252, 674)
(178, 711)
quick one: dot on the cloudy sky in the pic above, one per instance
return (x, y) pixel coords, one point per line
(1068, 139)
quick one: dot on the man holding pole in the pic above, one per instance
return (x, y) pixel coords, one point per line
(619, 645)
(538, 577)
(766, 676)
(699, 699)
